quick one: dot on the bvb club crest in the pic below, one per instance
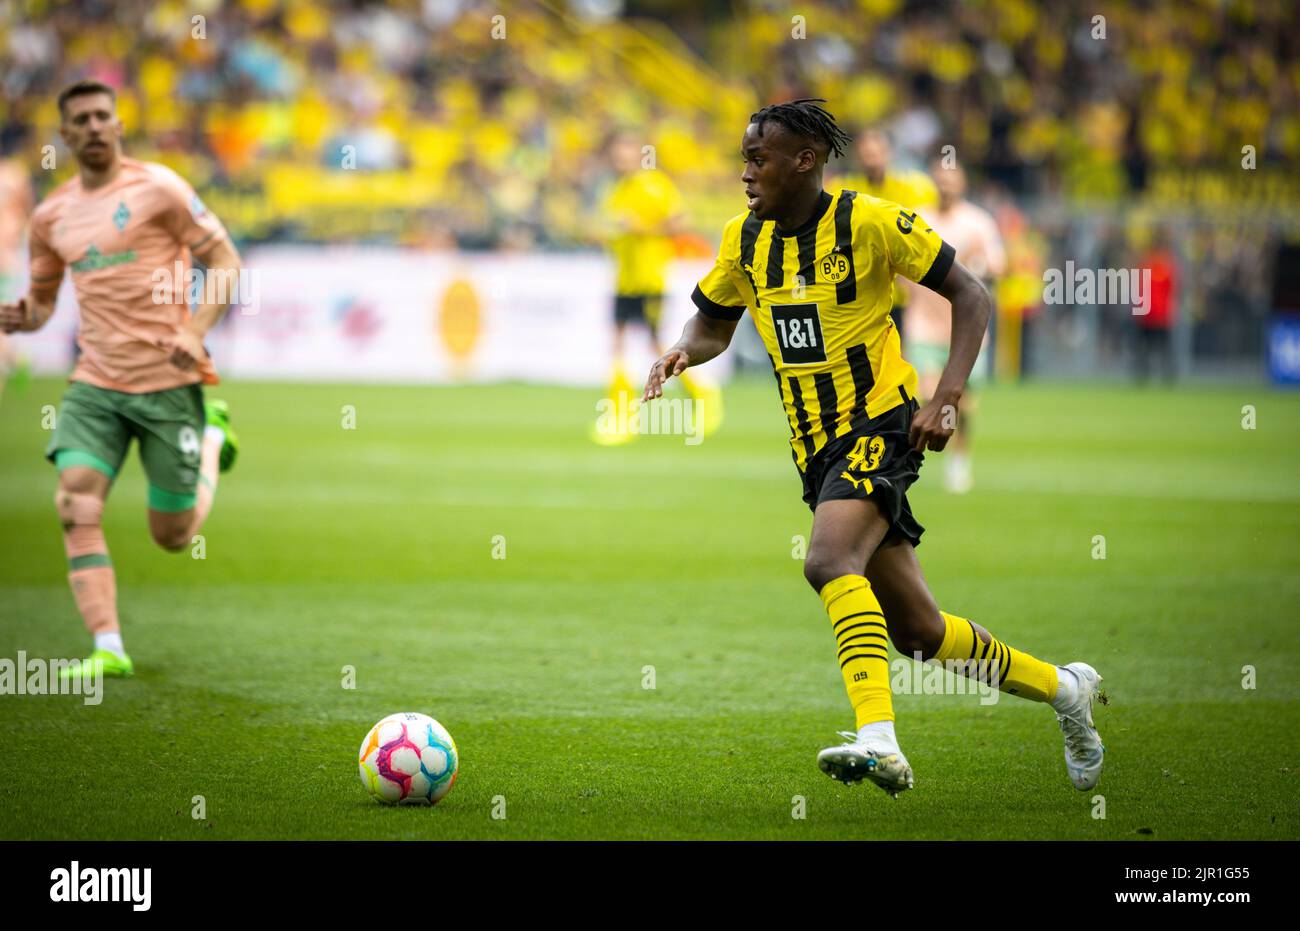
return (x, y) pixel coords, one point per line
(833, 268)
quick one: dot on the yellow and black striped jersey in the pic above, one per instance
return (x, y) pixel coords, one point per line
(820, 297)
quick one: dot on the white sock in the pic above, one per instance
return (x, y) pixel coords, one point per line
(1067, 688)
(213, 432)
(112, 642)
(878, 734)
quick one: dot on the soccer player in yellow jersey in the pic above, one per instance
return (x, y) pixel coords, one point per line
(643, 211)
(117, 226)
(815, 271)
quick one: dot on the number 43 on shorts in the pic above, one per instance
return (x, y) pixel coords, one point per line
(867, 453)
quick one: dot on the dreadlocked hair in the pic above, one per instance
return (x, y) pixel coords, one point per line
(805, 118)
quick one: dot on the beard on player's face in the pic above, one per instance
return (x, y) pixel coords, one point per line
(97, 152)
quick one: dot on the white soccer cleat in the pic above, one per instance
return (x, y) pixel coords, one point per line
(1084, 750)
(854, 761)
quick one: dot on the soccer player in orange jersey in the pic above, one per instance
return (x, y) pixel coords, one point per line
(125, 229)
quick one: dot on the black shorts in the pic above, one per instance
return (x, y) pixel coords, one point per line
(638, 308)
(875, 461)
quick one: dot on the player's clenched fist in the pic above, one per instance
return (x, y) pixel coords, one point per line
(673, 362)
(13, 317)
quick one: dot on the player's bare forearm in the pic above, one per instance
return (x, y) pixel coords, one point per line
(40, 304)
(971, 307)
(222, 278)
(703, 338)
(935, 422)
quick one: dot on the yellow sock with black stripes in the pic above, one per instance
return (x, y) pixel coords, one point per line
(1013, 672)
(863, 643)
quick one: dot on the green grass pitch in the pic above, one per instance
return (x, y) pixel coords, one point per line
(373, 548)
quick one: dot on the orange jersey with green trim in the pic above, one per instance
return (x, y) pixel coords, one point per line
(820, 298)
(118, 240)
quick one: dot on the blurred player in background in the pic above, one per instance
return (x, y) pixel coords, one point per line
(972, 232)
(879, 178)
(643, 211)
(857, 434)
(1155, 327)
(15, 205)
(116, 226)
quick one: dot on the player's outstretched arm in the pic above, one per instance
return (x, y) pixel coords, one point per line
(971, 306)
(703, 338)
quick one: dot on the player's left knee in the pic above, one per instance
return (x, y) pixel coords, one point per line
(820, 570)
(173, 537)
(78, 508)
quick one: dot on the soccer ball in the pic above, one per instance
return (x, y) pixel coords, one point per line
(409, 759)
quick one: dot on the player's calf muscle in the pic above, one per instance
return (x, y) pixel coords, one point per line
(914, 637)
(915, 624)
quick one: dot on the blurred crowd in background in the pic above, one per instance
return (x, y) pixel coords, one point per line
(458, 123)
